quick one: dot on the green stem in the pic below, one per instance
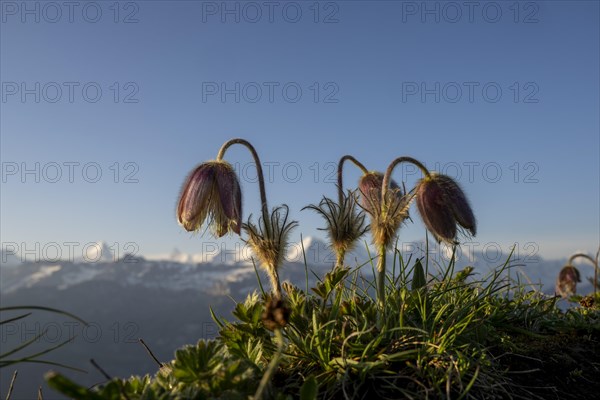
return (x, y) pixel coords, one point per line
(340, 174)
(272, 366)
(259, 173)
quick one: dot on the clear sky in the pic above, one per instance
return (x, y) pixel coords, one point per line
(107, 106)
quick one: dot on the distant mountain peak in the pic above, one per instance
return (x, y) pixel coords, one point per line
(98, 252)
(315, 250)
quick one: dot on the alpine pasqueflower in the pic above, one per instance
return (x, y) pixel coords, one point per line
(211, 191)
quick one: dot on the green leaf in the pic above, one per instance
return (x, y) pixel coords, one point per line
(68, 387)
(309, 389)
(6, 321)
(418, 280)
(461, 276)
(49, 309)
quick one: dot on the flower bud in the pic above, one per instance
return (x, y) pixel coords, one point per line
(443, 205)
(212, 192)
(566, 283)
(370, 188)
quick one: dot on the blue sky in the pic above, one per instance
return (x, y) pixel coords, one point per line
(504, 96)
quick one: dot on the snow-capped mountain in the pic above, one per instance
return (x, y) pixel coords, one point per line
(219, 268)
(98, 252)
(173, 276)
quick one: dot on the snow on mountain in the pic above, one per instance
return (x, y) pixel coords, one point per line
(316, 252)
(237, 253)
(219, 266)
(174, 256)
(97, 252)
(151, 274)
(45, 271)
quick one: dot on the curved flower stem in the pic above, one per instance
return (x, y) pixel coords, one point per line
(381, 263)
(594, 263)
(390, 169)
(340, 171)
(259, 173)
(272, 366)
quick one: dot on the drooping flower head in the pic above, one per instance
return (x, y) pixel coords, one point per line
(444, 207)
(388, 215)
(370, 189)
(566, 283)
(211, 192)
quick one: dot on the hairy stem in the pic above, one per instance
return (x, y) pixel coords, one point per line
(591, 260)
(259, 173)
(339, 262)
(390, 169)
(275, 284)
(381, 264)
(340, 173)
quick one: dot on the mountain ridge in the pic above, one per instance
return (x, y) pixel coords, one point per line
(222, 267)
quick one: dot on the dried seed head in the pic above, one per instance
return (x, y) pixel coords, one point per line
(269, 240)
(276, 314)
(211, 192)
(566, 283)
(345, 224)
(443, 205)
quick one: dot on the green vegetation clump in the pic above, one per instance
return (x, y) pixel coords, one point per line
(415, 334)
(440, 335)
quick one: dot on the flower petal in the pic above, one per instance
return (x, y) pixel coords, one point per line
(230, 195)
(195, 196)
(435, 211)
(457, 199)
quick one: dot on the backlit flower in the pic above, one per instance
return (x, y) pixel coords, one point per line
(388, 215)
(370, 189)
(443, 207)
(566, 283)
(211, 192)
